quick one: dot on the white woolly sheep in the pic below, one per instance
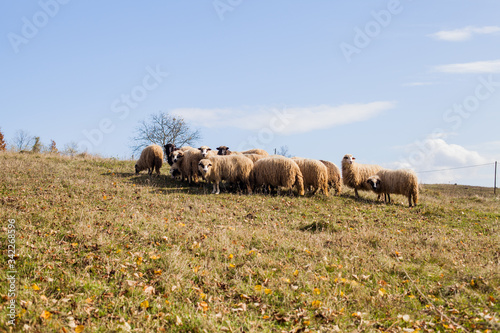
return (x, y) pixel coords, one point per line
(151, 159)
(177, 164)
(315, 174)
(232, 168)
(277, 171)
(191, 159)
(355, 175)
(389, 182)
(334, 179)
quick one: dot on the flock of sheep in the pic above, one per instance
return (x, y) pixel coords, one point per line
(256, 169)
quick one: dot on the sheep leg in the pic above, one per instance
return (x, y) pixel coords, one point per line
(150, 171)
(214, 188)
(356, 194)
(218, 189)
(389, 198)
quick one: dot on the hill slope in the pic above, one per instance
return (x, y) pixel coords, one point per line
(101, 249)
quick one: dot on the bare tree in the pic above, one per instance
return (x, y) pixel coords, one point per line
(37, 145)
(71, 148)
(162, 128)
(283, 151)
(22, 140)
(53, 148)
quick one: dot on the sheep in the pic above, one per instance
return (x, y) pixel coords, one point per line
(403, 182)
(232, 168)
(355, 175)
(177, 164)
(189, 165)
(334, 179)
(151, 159)
(169, 149)
(277, 171)
(315, 174)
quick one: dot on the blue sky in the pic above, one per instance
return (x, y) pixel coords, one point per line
(398, 83)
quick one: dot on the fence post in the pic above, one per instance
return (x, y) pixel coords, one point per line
(495, 182)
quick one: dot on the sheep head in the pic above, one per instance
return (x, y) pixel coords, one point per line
(205, 167)
(348, 159)
(375, 183)
(204, 150)
(177, 155)
(223, 150)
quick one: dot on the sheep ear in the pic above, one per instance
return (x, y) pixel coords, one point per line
(354, 158)
(209, 149)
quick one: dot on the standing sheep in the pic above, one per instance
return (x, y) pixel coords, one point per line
(151, 159)
(189, 165)
(232, 168)
(169, 149)
(355, 175)
(315, 174)
(334, 179)
(277, 171)
(403, 182)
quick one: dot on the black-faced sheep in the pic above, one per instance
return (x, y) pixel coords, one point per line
(232, 168)
(169, 149)
(355, 175)
(277, 171)
(389, 182)
(151, 159)
(334, 179)
(315, 174)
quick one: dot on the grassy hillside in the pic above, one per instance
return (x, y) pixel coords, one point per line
(101, 249)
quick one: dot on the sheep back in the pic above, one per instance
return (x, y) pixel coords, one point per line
(256, 151)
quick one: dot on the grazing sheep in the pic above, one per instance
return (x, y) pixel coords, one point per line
(334, 179)
(277, 171)
(355, 175)
(315, 174)
(151, 159)
(403, 182)
(232, 168)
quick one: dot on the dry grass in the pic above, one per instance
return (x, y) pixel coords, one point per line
(101, 249)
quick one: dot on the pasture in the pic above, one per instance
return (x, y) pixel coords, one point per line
(100, 249)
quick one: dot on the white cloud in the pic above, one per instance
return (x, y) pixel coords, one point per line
(289, 120)
(418, 84)
(436, 161)
(491, 66)
(463, 34)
